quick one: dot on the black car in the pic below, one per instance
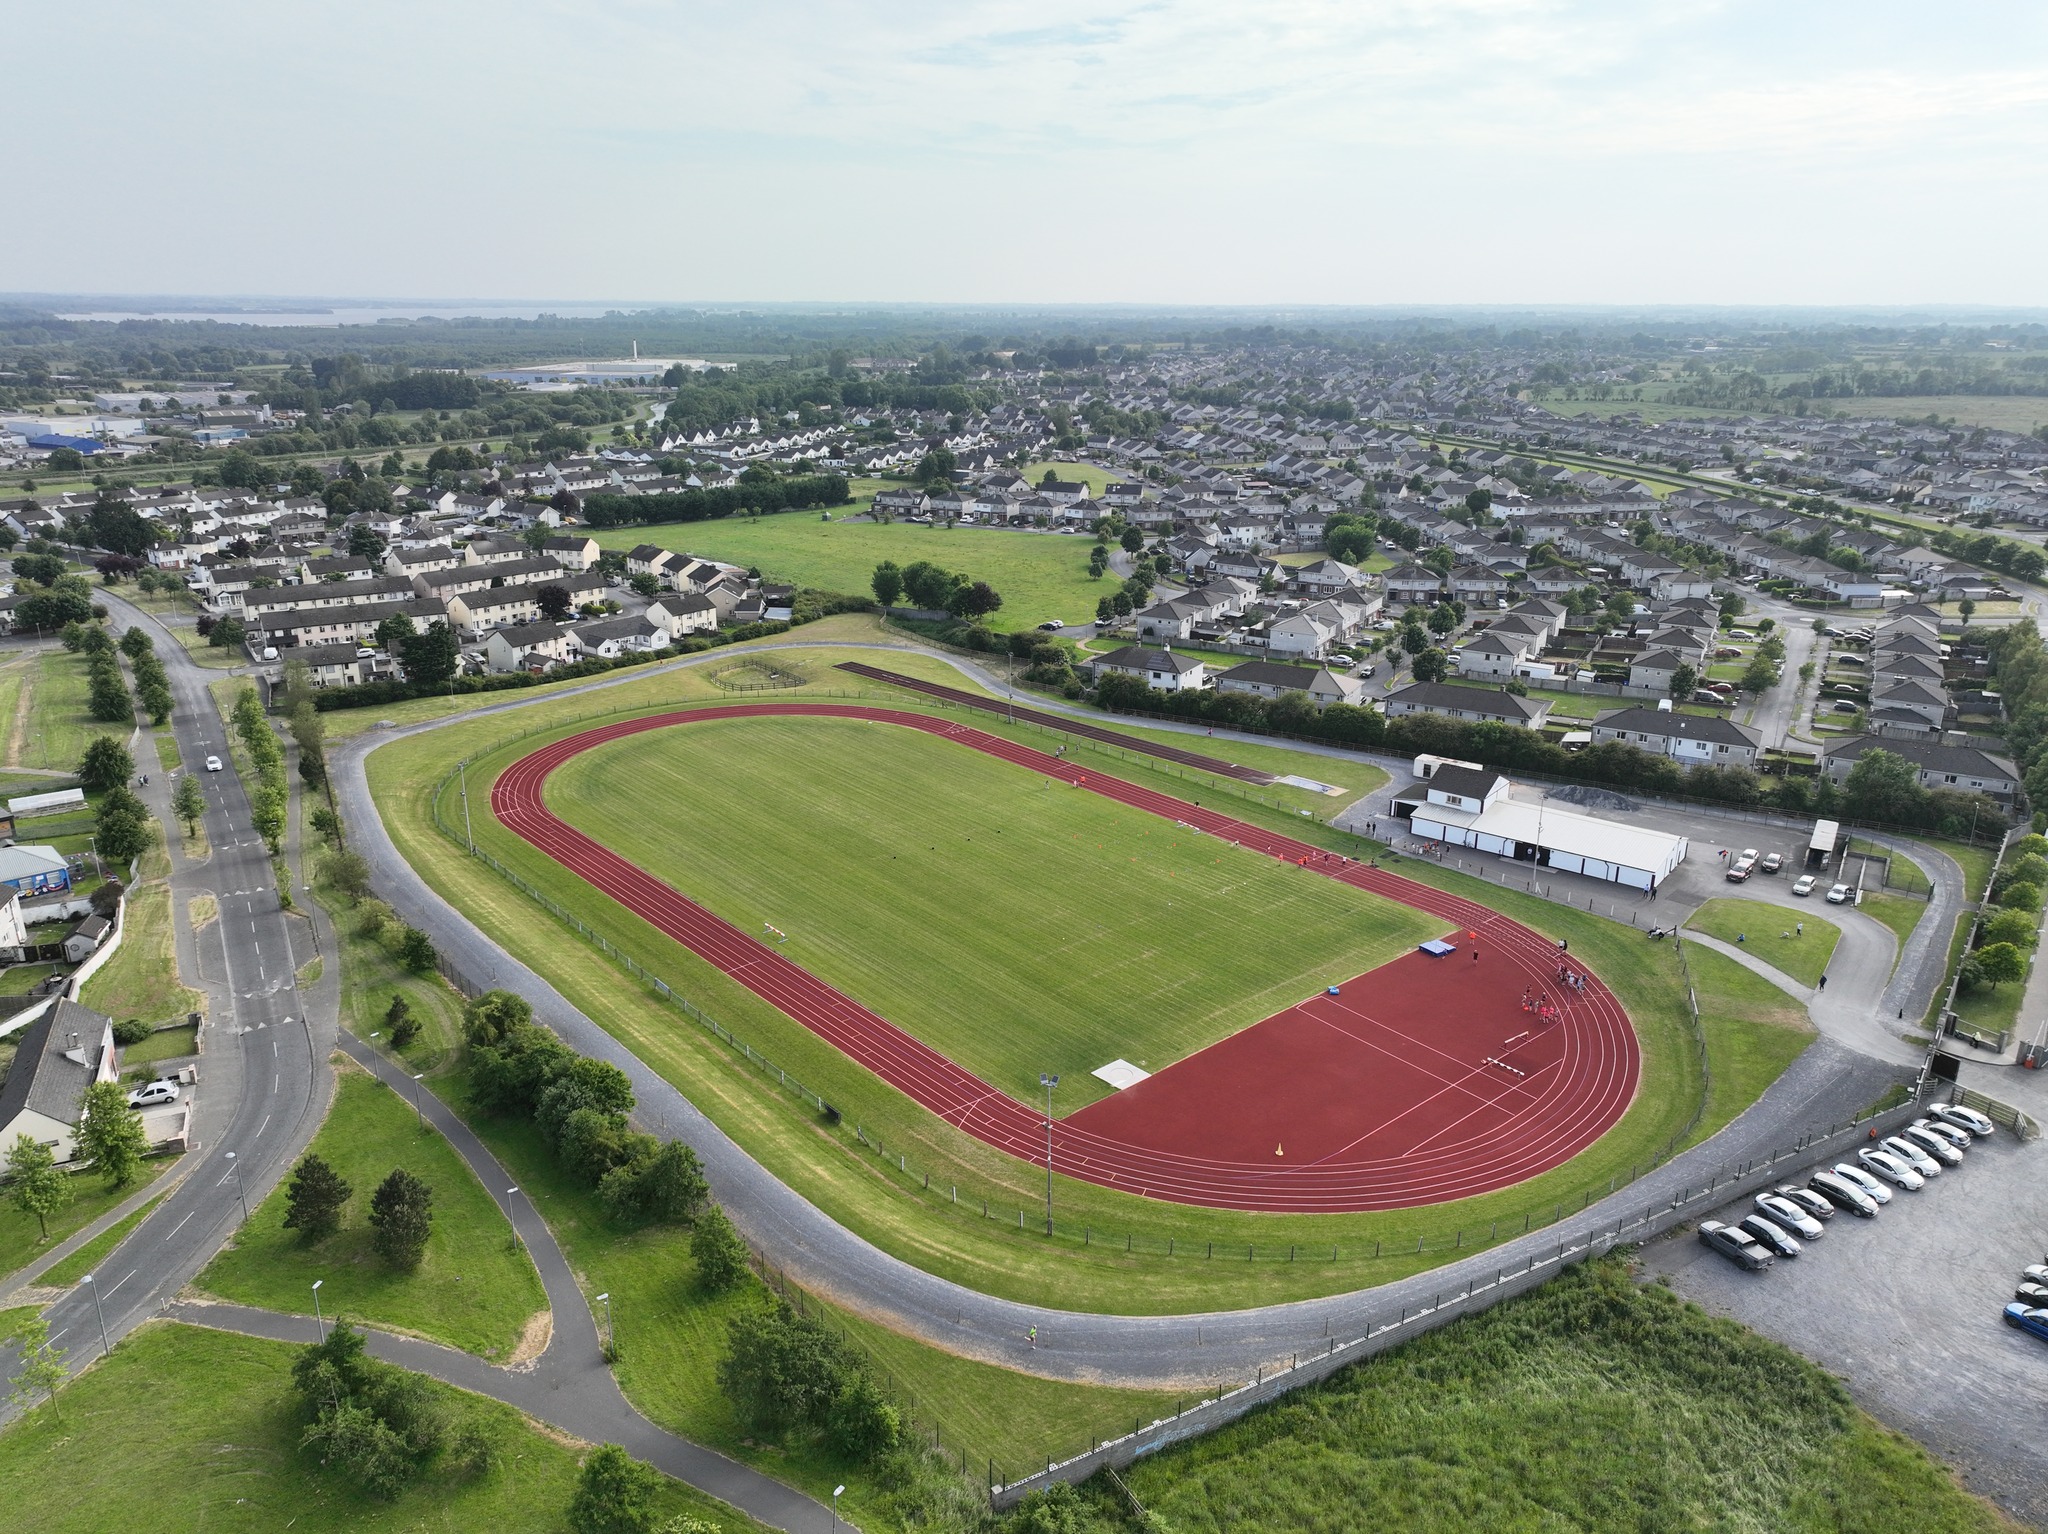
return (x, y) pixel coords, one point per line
(1806, 1199)
(1844, 1194)
(1736, 1244)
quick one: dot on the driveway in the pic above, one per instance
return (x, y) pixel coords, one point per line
(1905, 1309)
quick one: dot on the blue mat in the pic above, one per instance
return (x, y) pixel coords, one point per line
(1438, 946)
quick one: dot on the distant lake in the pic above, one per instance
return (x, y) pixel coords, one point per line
(352, 316)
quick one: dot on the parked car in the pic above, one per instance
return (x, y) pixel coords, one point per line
(153, 1094)
(1843, 1194)
(1780, 1210)
(1877, 1187)
(1052, 625)
(1806, 1199)
(1736, 1244)
(1918, 1157)
(1894, 1169)
(1803, 885)
(1840, 894)
(1772, 862)
(1961, 1139)
(2031, 1294)
(213, 764)
(1940, 1148)
(2034, 1273)
(1776, 1240)
(1963, 1118)
(2027, 1319)
(1843, 706)
(1741, 868)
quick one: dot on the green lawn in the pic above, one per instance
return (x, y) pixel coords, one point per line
(58, 728)
(1016, 927)
(1040, 575)
(923, 1225)
(1772, 933)
(141, 979)
(208, 1427)
(1595, 1405)
(1753, 1031)
(88, 1257)
(476, 1289)
(165, 1044)
(90, 1199)
(1901, 913)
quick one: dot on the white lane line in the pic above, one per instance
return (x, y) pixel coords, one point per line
(264, 1125)
(274, 1081)
(124, 1278)
(179, 1226)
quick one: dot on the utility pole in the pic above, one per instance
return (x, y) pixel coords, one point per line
(463, 768)
(1048, 1082)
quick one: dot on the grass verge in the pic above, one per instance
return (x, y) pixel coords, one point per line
(1773, 934)
(141, 979)
(209, 1428)
(90, 1198)
(1753, 1031)
(476, 1288)
(95, 1251)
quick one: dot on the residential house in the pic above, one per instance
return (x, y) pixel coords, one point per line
(1160, 668)
(528, 647)
(1693, 739)
(57, 1057)
(1937, 764)
(1473, 704)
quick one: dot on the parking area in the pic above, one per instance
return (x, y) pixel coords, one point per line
(1907, 1309)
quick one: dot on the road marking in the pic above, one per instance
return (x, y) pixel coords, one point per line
(264, 1125)
(124, 1279)
(274, 1081)
(181, 1224)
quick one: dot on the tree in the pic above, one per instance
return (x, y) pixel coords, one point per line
(402, 1213)
(314, 1199)
(227, 633)
(1442, 619)
(135, 644)
(416, 951)
(668, 1186)
(1479, 503)
(1685, 678)
(391, 634)
(583, 1083)
(493, 1016)
(365, 542)
(1132, 540)
(887, 583)
(1431, 666)
(780, 1369)
(975, 600)
(41, 1370)
(1968, 609)
(2001, 963)
(1759, 675)
(2017, 929)
(401, 1022)
(553, 600)
(614, 1494)
(430, 657)
(106, 764)
(38, 1188)
(1098, 561)
(862, 1424)
(1883, 786)
(110, 1134)
(43, 569)
(644, 585)
(720, 1254)
(936, 467)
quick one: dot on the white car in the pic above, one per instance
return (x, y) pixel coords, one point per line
(1839, 895)
(1960, 1138)
(1918, 1157)
(1939, 1146)
(1856, 1177)
(1803, 885)
(213, 764)
(1964, 1118)
(1781, 1211)
(156, 1092)
(1894, 1171)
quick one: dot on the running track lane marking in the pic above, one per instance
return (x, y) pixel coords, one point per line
(1589, 1092)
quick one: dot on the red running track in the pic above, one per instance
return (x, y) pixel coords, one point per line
(1393, 1093)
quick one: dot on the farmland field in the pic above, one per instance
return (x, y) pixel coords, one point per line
(1014, 927)
(1040, 575)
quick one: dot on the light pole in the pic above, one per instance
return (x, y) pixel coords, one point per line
(106, 1347)
(463, 768)
(416, 1113)
(835, 1505)
(611, 1336)
(319, 1320)
(236, 1168)
(1048, 1082)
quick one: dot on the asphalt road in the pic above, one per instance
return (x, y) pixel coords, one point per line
(1827, 1084)
(263, 1083)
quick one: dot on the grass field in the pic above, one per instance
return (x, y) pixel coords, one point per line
(51, 726)
(1901, 913)
(1594, 1405)
(867, 1194)
(88, 1257)
(1753, 1031)
(164, 1044)
(476, 1288)
(141, 979)
(1040, 575)
(90, 1199)
(1015, 928)
(208, 1427)
(1772, 933)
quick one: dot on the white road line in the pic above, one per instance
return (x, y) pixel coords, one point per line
(179, 1226)
(274, 1082)
(264, 1125)
(124, 1278)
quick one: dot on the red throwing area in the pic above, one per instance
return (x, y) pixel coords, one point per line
(1422, 1081)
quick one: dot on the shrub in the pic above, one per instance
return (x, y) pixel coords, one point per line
(131, 1030)
(720, 1254)
(614, 1495)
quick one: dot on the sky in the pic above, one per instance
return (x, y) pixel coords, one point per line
(982, 151)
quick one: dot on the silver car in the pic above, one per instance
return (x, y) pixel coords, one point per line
(1894, 1171)
(1940, 1147)
(1781, 1211)
(1856, 1177)
(1915, 1155)
(1964, 1118)
(1961, 1139)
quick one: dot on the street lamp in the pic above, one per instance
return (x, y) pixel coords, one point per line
(416, 1113)
(319, 1319)
(236, 1168)
(106, 1347)
(610, 1335)
(1048, 1082)
(835, 1505)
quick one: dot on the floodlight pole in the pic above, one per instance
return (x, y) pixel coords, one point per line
(106, 1347)
(463, 768)
(417, 1111)
(240, 1188)
(319, 1319)
(1048, 1082)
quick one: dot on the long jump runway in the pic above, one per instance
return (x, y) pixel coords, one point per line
(1421, 1081)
